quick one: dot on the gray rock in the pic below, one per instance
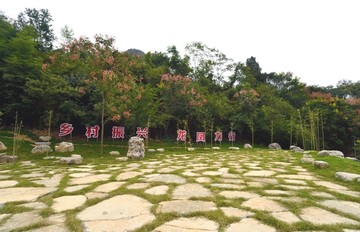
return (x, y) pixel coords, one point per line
(114, 153)
(65, 147)
(297, 150)
(331, 153)
(234, 148)
(307, 155)
(352, 158)
(121, 158)
(307, 160)
(215, 148)
(41, 149)
(275, 146)
(136, 148)
(345, 176)
(191, 149)
(45, 138)
(160, 149)
(247, 146)
(321, 164)
(74, 159)
(151, 150)
(2, 146)
(7, 158)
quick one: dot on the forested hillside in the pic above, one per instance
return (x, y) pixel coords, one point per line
(86, 81)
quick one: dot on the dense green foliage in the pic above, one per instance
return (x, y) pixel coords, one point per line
(86, 83)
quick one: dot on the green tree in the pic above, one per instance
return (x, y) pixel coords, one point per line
(41, 21)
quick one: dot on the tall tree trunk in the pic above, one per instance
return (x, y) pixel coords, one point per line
(102, 123)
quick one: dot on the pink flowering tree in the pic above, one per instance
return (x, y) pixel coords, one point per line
(182, 99)
(99, 69)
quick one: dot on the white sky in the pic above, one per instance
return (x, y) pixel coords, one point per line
(316, 40)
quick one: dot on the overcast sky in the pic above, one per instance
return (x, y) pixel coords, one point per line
(317, 40)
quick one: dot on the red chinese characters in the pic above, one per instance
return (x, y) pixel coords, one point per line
(231, 136)
(65, 129)
(142, 132)
(118, 132)
(181, 135)
(200, 137)
(92, 131)
(218, 136)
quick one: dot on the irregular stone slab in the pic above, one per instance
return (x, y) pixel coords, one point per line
(188, 225)
(53, 181)
(187, 191)
(21, 220)
(300, 182)
(331, 153)
(227, 186)
(320, 216)
(322, 194)
(108, 187)
(287, 217)
(76, 188)
(32, 175)
(263, 204)
(296, 177)
(203, 180)
(343, 206)
(262, 173)
(128, 175)
(57, 228)
(90, 179)
(212, 173)
(249, 224)
(64, 203)
(80, 174)
(119, 213)
(5, 215)
(166, 178)
(189, 173)
(186, 206)
(238, 194)
(330, 185)
(345, 176)
(23, 193)
(35, 205)
(94, 195)
(8, 183)
(158, 190)
(138, 186)
(232, 181)
(277, 192)
(346, 192)
(235, 212)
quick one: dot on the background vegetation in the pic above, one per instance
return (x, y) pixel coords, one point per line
(87, 81)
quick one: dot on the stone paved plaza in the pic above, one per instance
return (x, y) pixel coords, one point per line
(214, 191)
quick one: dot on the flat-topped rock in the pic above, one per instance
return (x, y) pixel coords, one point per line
(238, 194)
(21, 220)
(89, 179)
(119, 213)
(262, 173)
(165, 178)
(331, 153)
(23, 193)
(38, 149)
(249, 224)
(320, 216)
(157, 190)
(187, 191)
(263, 204)
(68, 202)
(128, 175)
(345, 176)
(8, 183)
(321, 164)
(189, 224)
(235, 212)
(108, 187)
(286, 217)
(348, 207)
(186, 206)
(330, 185)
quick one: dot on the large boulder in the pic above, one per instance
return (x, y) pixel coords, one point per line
(345, 176)
(74, 159)
(2, 146)
(275, 146)
(247, 146)
(136, 148)
(41, 149)
(331, 153)
(64, 147)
